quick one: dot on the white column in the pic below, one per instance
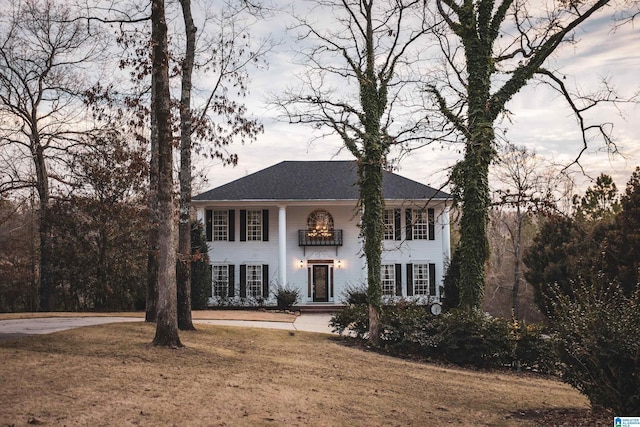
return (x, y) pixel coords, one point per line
(282, 245)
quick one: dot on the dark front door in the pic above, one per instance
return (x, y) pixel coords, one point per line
(320, 283)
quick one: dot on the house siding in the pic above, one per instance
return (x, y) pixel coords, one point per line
(347, 265)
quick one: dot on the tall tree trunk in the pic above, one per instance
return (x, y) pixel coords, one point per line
(474, 245)
(479, 152)
(151, 311)
(517, 250)
(373, 98)
(167, 319)
(372, 225)
(44, 227)
(185, 321)
(46, 283)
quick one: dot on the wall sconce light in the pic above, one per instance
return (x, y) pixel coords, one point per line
(301, 264)
(339, 263)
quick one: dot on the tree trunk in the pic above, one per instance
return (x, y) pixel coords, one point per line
(479, 152)
(46, 284)
(373, 98)
(185, 321)
(151, 312)
(372, 226)
(44, 227)
(517, 249)
(474, 246)
(167, 319)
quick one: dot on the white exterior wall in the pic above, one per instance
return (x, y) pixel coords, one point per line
(346, 262)
(348, 265)
(425, 251)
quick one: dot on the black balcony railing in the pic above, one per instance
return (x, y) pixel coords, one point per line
(319, 237)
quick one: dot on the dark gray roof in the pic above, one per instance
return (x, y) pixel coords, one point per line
(315, 180)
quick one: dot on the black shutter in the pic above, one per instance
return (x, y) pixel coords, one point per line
(396, 224)
(231, 223)
(232, 281)
(432, 280)
(210, 287)
(265, 225)
(243, 225)
(399, 280)
(409, 280)
(409, 225)
(243, 281)
(265, 280)
(208, 224)
(431, 216)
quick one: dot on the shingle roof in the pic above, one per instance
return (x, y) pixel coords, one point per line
(315, 180)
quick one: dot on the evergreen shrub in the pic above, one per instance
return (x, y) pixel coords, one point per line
(597, 340)
(200, 274)
(459, 337)
(286, 297)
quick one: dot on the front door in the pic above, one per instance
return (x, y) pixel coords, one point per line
(320, 283)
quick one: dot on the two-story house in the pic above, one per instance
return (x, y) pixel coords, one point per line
(296, 224)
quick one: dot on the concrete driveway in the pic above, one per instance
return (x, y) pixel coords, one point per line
(15, 328)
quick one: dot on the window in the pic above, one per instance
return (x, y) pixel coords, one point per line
(254, 281)
(320, 224)
(388, 276)
(421, 279)
(220, 225)
(389, 224)
(254, 225)
(221, 281)
(420, 224)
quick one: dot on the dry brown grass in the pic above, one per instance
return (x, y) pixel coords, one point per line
(259, 315)
(111, 375)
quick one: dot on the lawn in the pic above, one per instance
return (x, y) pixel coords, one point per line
(111, 375)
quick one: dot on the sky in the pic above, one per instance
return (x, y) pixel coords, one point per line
(541, 120)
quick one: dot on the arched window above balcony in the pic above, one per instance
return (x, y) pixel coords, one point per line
(320, 223)
(320, 231)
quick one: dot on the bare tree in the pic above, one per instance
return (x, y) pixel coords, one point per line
(370, 46)
(209, 123)
(185, 321)
(167, 316)
(42, 54)
(491, 51)
(525, 185)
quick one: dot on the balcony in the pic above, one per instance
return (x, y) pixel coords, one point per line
(321, 237)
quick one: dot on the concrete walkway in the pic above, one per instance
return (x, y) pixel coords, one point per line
(15, 328)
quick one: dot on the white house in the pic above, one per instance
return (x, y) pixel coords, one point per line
(296, 224)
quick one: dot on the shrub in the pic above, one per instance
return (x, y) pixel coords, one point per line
(459, 337)
(533, 347)
(352, 318)
(410, 328)
(472, 338)
(597, 337)
(286, 297)
(355, 294)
